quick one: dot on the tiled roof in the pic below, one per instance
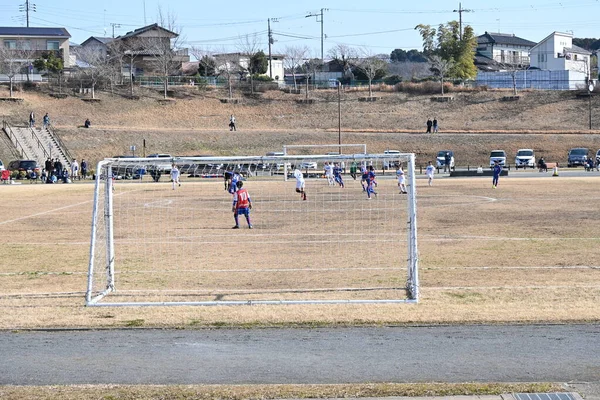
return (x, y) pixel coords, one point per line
(103, 40)
(22, 31)
(145, 29)
(504, 38)
(577, 49)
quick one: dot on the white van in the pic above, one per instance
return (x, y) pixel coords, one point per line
(524, 158)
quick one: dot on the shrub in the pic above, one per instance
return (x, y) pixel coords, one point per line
(423, 88)
(261, 78)
(392, 79)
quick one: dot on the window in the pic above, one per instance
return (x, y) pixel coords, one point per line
(52, 45)
(10, 44)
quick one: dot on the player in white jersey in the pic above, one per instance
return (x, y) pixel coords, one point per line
(401, 179)
(175, 175)
(329, 173)
(429, 172)
(300, 183)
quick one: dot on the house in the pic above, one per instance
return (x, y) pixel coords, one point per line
(141, 47)
(504, 48)
(38, 41)
(557, 52)
(241, 61)
(97, 43)
(555, 64)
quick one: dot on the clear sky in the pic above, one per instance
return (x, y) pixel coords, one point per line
(380, 26)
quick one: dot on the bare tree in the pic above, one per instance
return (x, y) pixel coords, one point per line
(294, 56)
(164, 48)
(13, 61)
(372, 66)
(345, 56)
(441, 68)
(204, 56)
(228, 67)
(248, 46)
(409, 69)
(311, 66)
(95, 65)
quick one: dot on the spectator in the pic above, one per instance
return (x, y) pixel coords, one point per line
(48, 165)
(32, 119)
(58, 167)
(46, 121)
(232, 123)
(84, 168)
(435, 125)
(447, 161)
(74, 169)
(429, 125)
(87, 123)
(65, 176)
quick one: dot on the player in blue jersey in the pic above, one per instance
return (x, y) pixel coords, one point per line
(497, 172)
(371, 183)
(364, 176)
(337, 174)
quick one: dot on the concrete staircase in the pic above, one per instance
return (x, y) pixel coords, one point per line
(37, 144)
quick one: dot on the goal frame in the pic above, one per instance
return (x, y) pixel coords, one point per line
(318, 146)
(104, 170)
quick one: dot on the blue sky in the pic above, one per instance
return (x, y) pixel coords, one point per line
(380, 26)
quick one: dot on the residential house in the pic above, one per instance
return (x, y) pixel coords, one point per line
(241, 61)
(555, 64)
(504, 48)
(557, 52)
(38, 41)
(141, 48)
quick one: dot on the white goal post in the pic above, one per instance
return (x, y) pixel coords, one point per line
(313, 147)
(158, 242)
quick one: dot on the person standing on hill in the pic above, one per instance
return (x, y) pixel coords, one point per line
(435, 125)
(46, 121)
(232, 123)
(31, 119)
(429, 125)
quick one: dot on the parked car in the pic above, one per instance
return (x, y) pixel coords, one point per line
(525, 158)
(24, 165)
(499, 156)
(577, 156)
(597, 158)
(440, 159)
(308, 165)
(2, 166)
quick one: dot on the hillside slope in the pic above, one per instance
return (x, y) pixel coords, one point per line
(197, 123)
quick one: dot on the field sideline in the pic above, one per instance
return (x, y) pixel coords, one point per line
(525, 252)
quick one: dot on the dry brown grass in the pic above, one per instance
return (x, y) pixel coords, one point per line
(266, 392)
(525, 257)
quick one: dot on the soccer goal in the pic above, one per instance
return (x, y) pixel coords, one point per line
(154, 242)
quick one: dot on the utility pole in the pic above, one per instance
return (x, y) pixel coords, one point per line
(26, 8)
(320, 15)
(460, 11)
(113, 28)
(340, 117)
(271, 41)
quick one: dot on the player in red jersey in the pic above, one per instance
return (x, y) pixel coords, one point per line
(241, 205)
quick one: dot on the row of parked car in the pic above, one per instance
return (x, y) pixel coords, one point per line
(525, 158)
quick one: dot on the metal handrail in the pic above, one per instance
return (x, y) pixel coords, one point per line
(13, 138)
(39, 142)
(61, 145)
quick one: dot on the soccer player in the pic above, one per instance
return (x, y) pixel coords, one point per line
(241, 205)
(364, 178)
(497, 172)
(300, 183)
(337, 173)
(371, 183)
(429, 171)
(401, 179)
(329, 173)
(175, 175)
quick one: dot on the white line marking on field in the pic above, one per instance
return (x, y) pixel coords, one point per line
(46, 212)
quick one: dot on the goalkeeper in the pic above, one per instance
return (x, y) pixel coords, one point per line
(300, 183)
(241, 205)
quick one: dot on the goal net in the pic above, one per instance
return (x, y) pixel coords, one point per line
(158, 242)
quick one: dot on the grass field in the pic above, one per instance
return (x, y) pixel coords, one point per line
(525, 252)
